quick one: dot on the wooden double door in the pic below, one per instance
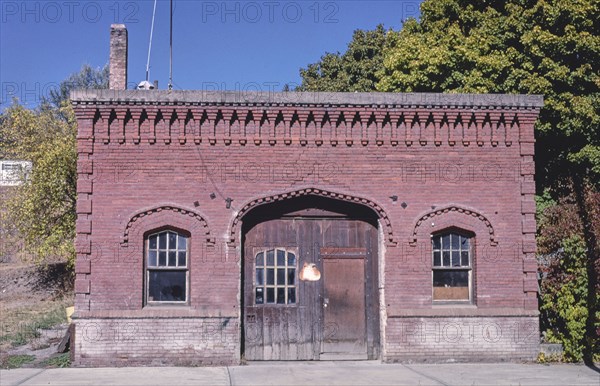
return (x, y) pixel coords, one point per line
(310, 289)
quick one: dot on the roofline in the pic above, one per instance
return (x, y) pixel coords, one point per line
(199, 97)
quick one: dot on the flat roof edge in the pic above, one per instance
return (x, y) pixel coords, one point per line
(303, 98)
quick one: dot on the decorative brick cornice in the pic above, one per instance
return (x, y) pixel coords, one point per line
(336, 119)
(251, 98)
(454, 209)
(383, 216)
(157, 209)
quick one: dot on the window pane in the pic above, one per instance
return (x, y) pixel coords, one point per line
(454, 241)
(436, 242)
(271, 276)
(260, 259)
(271, 257)
(291, 276)
(280, 257)
(291, 295)
(270, 295)
(172, 240)
(167, 286)
(162, 259)
(450, 285)
(291, 259)
(281, 276)
(464, 243)
(446, 241)
(455, 259)
(259, 296)
(280, 295)
(172, 259)
(446, 256)
(260, 278)
(181, 243)
(152, 241)
(437, 259)
(464, 258)
(152, 258)
(182, 256)
(162, 240)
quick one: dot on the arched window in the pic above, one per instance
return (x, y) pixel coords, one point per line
(167, 267)
(452, 266)
(275, 277)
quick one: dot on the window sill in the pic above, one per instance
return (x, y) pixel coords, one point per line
(453, 304)
(159, 312)
(458, 310)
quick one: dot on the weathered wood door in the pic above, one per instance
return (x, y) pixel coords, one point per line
(344, 316)
(334, 316)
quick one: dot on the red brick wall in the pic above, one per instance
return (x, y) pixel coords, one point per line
(140, 170)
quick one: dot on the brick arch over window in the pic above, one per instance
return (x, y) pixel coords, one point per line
(383, 216)
(165, 215)
(453, 216)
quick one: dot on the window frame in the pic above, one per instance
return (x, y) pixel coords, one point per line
(157, 268)
(469, 268)
(264, 266)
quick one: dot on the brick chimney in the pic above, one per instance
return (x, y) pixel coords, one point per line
(118, 57)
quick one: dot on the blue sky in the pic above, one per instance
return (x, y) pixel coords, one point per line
(232, 45)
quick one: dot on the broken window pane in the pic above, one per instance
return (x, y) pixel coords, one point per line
(450, 285)
(437, 260)
(259, 296)
(167, 286)
(291, 278)
(464, 243)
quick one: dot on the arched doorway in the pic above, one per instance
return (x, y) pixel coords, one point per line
(310, 281)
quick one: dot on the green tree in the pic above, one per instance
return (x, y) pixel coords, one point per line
(516, 46)
(565, 285)
(87, 77)
(354, 70)
(40, 214)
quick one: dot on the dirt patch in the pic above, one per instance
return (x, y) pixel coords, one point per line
(32, 305)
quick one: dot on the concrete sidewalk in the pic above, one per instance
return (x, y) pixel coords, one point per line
(313, 373)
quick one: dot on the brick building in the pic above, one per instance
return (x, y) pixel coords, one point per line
(215, 227)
